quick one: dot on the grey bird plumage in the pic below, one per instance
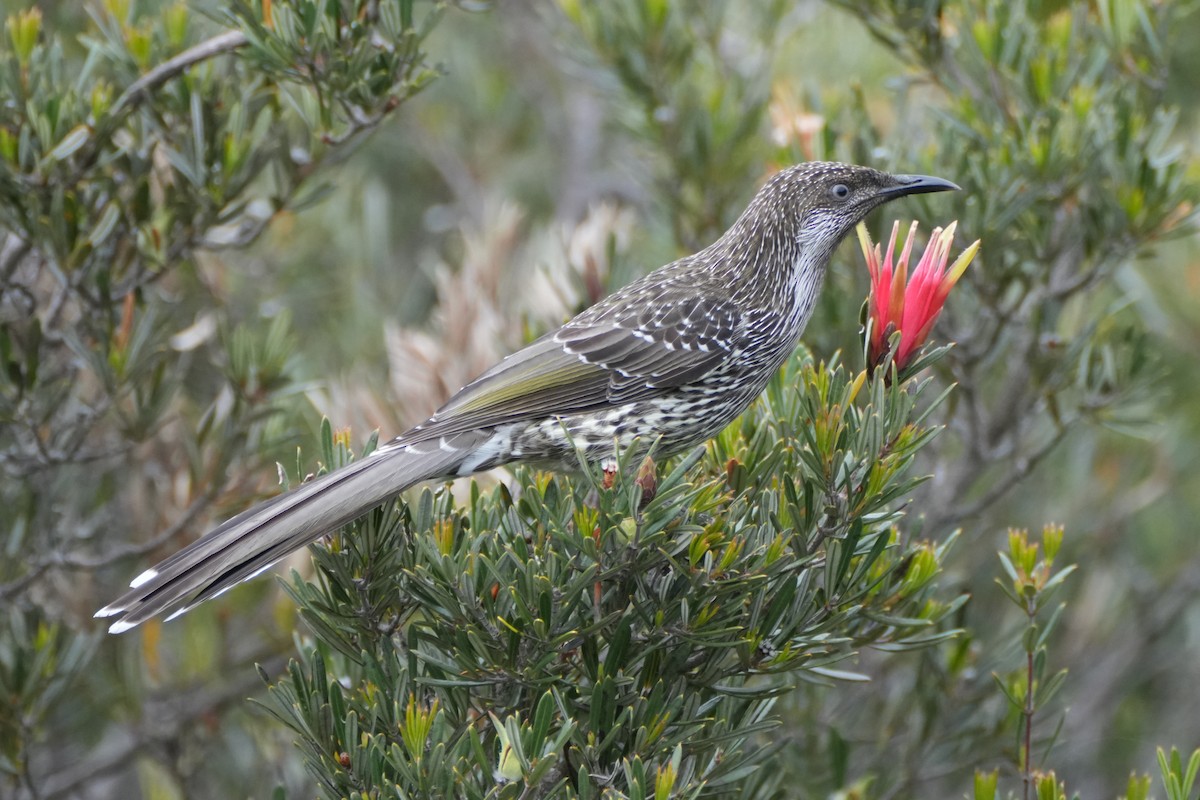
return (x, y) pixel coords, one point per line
(674, 357)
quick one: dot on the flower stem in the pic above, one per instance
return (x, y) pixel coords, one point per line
(1027, 711)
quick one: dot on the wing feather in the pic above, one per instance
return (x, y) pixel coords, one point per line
(609, 355)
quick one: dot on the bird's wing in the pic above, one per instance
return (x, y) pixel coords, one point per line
(658, 345)
(608, 356)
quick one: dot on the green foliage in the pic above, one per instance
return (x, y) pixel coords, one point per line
(129, 389)
(38, 662)
(1138, 787)
(1031, 581)
(565, 638)
(347, 79)
(1054, 125)
(1178, 778)
(699, 107)
(1051, 117)
(779, 615)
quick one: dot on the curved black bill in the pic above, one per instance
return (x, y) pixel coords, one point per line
(918, 184)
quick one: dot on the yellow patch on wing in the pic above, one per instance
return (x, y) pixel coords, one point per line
(518, 384)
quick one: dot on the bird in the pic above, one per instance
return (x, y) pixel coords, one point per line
(672, 357)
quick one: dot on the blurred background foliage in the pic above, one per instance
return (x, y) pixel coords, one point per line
(193, 275)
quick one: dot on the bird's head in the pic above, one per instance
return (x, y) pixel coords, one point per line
(822, 201)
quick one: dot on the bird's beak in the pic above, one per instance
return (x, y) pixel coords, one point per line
(917, 184)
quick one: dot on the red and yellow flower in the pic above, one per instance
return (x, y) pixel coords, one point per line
(910, 305)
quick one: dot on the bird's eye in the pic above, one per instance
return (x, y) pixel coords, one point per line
(839, 191)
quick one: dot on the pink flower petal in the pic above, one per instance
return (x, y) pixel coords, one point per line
(910, 305)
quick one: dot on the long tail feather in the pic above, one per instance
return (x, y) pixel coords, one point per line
(252, 541)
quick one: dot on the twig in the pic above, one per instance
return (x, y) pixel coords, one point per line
(1027, 711)
(1022, 467)
(11, 254)
(130, 550)
(12, 588)
(141, 88)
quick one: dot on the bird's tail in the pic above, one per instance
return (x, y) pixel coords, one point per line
(255, 539)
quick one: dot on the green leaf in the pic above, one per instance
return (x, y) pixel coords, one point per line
(76, 138)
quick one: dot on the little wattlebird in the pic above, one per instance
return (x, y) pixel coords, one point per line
(673, 357)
